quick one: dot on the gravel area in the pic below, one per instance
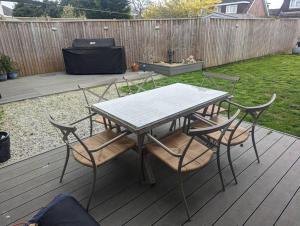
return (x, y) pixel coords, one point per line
(30, 131)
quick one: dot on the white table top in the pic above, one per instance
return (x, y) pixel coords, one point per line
(145, 108)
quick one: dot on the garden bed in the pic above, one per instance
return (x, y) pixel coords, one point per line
(172, 69)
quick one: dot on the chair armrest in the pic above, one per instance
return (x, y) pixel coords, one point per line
(236, 104)
(210, 122)
(82, 119)
(109, 142)
(163, 146)
(203, 131)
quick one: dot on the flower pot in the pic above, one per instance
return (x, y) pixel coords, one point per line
(135, 67)
(3, 77)
(12, 75)
(4, 146)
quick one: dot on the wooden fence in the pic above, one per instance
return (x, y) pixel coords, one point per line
(36, 45)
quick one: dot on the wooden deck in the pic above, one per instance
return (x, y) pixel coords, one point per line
(267, 193)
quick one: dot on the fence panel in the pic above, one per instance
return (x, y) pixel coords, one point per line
(36, 45)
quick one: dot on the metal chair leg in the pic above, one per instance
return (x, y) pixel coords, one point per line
(183, 197)
(66, 163)
(230, 163)
(220, 171)
(172, 125)
(254, 144)
(91, 126)
(93, 188)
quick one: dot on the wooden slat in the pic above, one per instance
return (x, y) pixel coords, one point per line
(290, 215)
(36, 47)
(38, 197)
(276, 201)
(242, 208)
(247, 175)
(266, 191)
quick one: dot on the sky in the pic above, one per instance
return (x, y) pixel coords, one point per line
(274, 4)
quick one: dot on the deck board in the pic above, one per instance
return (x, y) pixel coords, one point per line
(279, 196)
(120, 199)
(290, 215)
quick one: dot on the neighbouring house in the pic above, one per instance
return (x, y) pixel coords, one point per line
(5, 11)
(289, 9)
(256, 8)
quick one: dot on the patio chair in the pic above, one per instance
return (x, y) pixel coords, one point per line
(95, 150)
(144, 76)
(101, 97)
(183, 153)
(235, 134)
(229, 83)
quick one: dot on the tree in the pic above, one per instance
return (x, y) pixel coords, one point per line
(27, 10)
(100, 9)
(37, 9)
(180, 8)
(68, 11)
(139, 6)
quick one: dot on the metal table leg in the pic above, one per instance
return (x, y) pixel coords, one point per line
(146, 173)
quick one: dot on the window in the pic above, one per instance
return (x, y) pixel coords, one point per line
(231, 9)
(295, 4)
(219, 9)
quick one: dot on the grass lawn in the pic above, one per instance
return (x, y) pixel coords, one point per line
(259, 79)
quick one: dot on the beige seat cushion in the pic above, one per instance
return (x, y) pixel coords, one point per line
(177, 142)
(103, 120)
(105, 154)
(239, 137)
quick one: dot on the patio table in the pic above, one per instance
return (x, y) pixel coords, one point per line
(141, 112)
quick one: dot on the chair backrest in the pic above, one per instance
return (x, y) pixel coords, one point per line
(214, 128)
(232, 80)
(66, 130)
(222, 128)
(262, 107)
(100, 96)
(146, 77)
(255, 113)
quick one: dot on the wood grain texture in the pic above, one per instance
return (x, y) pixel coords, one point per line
(36, 45)
(116, 148)
(177, 143)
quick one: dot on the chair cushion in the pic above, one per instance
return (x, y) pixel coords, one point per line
(104, 155)
(103, 120)
(240, 135)
(63, 210)
(177, 142)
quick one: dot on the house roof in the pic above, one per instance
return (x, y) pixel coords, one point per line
(228, 2)
(286, 11)
(218, 15)
(7, 11)
(245, 5)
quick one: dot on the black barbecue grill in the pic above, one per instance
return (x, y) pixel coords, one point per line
(94, 56)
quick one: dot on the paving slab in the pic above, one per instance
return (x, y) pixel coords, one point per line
(51, 83)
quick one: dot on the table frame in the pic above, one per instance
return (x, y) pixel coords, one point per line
(146, 171)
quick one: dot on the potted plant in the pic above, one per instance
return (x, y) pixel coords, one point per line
(3, 75)
(4, 146)
(9, 67)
